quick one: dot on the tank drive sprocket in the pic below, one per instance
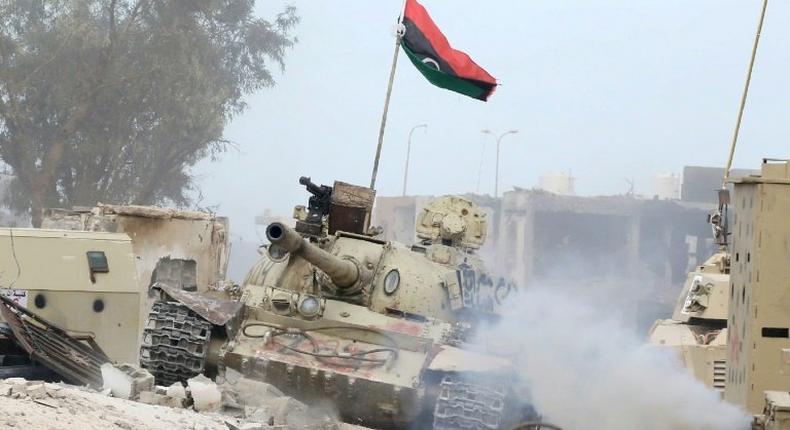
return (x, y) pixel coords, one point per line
(175, 342)
(469, 405)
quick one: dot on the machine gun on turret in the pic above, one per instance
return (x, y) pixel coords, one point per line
(311, 224)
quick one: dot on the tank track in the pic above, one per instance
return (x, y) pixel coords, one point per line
(175, 341)
(467, 405)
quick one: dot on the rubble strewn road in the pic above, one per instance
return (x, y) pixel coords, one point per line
(34, 405)
(56, 407)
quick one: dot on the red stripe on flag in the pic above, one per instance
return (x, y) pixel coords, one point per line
(462, 65)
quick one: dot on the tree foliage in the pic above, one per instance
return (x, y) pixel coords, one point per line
(114, 100)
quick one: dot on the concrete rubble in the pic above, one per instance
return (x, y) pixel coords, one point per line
(126, 381)
(205, 394)
(130, 400)
(259, 402)
(37, 405)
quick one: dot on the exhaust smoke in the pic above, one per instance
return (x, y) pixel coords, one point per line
(587, 369)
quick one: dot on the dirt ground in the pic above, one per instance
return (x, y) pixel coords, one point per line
(63, 407)
(72, 409)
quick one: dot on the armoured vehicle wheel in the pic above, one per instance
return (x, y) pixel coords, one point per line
(467, 405)
(175, 341)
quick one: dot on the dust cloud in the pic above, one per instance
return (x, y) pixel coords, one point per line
(587, 368)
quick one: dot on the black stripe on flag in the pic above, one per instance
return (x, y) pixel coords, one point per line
(419, 45)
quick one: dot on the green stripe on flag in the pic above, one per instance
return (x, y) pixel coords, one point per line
(443, 80)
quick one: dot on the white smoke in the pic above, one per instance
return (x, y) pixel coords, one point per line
(587, 369)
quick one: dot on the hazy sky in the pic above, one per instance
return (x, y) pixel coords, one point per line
(606, 89)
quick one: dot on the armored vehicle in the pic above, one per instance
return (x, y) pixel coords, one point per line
(698, 327)
(85, 282)
(330, 312)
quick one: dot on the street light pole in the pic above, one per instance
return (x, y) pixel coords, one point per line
(498, 141)
(408, 153)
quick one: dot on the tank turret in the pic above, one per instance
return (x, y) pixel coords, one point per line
(454, 221)
(705, 294)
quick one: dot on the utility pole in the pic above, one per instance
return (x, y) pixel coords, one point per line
(408, 152)
(498, 141)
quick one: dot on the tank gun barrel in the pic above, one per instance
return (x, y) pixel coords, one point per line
(343, 273)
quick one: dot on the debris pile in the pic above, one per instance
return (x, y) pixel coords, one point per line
(259, 402)
(126, 381)
(36, 405)
(130, 400)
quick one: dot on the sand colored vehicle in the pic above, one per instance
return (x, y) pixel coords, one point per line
(332, 313)
(84, 282)
(698, 327)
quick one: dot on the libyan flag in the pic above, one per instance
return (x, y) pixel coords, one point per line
(443, 66)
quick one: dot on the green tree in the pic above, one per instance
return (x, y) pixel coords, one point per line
(114, 100)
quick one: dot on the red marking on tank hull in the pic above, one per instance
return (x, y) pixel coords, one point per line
(403, 327)
(341, 365)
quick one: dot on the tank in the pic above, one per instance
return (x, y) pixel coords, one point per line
(331, 312)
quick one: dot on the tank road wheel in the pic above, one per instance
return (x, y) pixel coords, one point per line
(175, 342)
(468, 405)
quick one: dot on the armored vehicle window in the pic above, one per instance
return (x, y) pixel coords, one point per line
(97, 262)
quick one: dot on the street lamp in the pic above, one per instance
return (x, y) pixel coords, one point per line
(498, 140)
(408, 152)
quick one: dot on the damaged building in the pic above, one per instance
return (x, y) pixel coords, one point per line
(539, 237)
(534, 233)
(542, 236)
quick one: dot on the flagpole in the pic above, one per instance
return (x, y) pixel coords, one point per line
(398, 36)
